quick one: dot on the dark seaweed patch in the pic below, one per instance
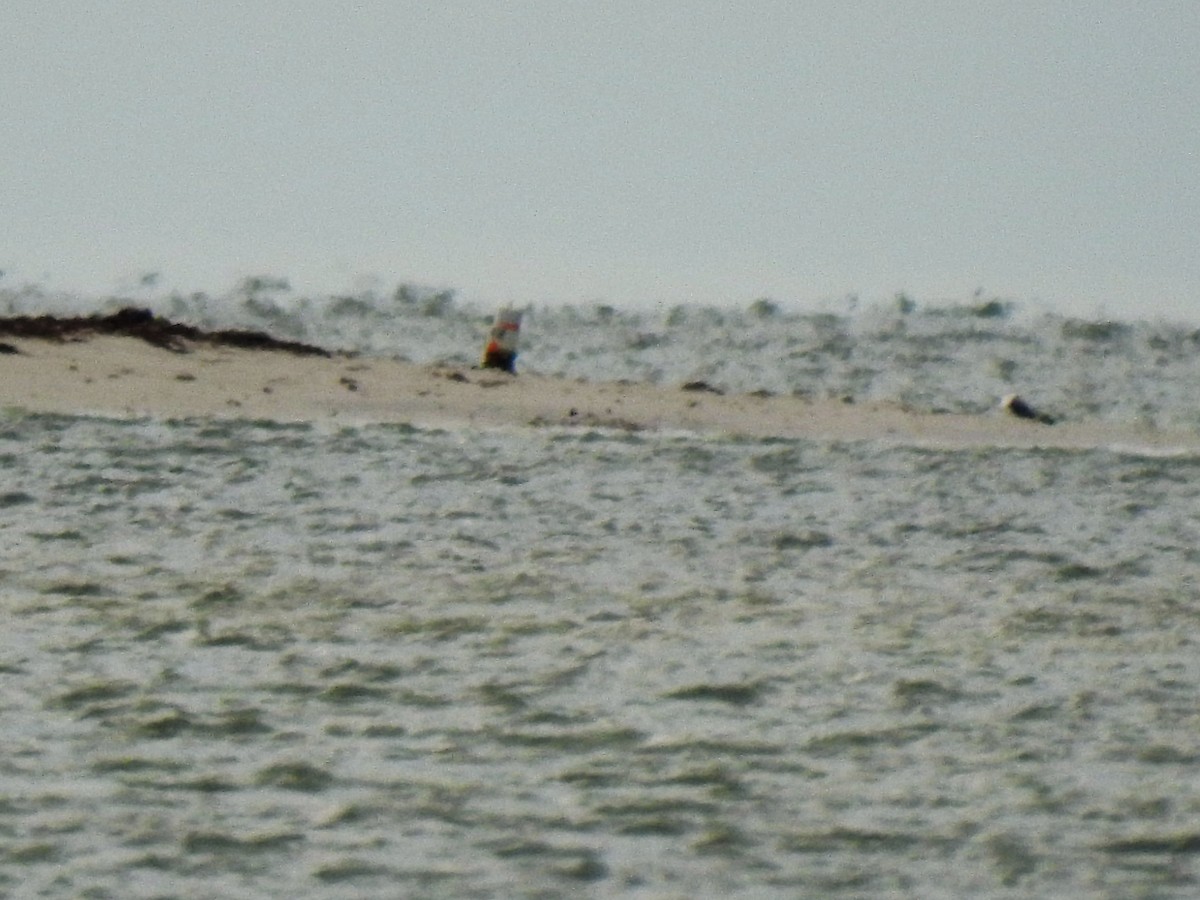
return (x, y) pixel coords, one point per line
(154, 330)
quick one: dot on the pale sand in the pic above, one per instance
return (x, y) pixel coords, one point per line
(126, 377)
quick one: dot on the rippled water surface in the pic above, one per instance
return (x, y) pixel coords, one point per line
(262, 661)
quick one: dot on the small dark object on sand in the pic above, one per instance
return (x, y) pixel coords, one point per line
(702, 387)
(1022, 410)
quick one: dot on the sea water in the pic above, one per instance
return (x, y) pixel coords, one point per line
(259, 660)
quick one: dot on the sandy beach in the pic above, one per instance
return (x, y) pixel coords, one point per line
(110, 374)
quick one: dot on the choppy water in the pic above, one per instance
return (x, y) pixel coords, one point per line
(250, 660)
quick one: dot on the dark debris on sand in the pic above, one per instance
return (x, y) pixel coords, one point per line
(155, 330)
(1020, 408)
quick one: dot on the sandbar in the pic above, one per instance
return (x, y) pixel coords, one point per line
(122, 375)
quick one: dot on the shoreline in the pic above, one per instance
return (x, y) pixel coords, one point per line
(159, 370)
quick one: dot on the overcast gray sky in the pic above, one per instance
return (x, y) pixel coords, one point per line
(626, 151)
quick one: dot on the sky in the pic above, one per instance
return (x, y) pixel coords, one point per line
(626, 152)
